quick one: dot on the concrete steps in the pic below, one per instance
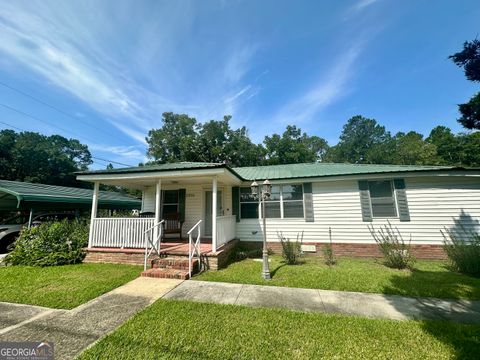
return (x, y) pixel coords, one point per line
(170, 268)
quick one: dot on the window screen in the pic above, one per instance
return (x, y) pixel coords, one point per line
(382, 199)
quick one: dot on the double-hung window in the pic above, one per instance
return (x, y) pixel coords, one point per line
(382, 199)
(170, 202)
(292, 197)
(286, 201)
(248, 204)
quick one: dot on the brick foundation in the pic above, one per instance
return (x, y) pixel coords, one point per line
(117, 256)
(213, 261)
(433, 252)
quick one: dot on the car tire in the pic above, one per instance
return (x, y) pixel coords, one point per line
(7, 241)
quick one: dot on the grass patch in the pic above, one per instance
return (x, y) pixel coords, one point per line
(426, 279)
(186, 330)
(62, 287)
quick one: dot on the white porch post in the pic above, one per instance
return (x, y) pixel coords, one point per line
(158, 196)
(96, 187)
(214, 214)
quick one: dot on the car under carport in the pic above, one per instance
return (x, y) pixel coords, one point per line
(33, 198)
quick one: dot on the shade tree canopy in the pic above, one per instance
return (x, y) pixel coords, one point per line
(32, 157)
(469, 59)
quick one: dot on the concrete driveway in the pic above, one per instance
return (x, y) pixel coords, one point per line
(72, 331)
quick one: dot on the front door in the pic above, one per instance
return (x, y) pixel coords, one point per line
(208, 210)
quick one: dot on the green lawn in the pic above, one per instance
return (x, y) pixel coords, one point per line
(428, 278)
(63, 287)
(188, 330)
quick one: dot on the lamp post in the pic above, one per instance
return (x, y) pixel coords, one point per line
(263, 195)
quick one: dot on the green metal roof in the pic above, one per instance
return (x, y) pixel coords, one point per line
(307, 170)
(277, 172)
(16, 195)
(158, 167)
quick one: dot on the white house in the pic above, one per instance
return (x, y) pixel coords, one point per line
(323, 200)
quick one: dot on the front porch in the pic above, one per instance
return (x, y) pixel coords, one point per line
(201, 201)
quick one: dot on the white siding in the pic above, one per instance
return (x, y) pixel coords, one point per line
(434, 202)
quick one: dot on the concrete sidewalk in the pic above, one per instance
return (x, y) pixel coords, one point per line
(72, 331)
(350, 303)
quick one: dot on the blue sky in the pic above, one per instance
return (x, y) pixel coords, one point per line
(106, 70)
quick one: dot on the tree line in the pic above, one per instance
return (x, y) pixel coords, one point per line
(362, 141)
(33, 157)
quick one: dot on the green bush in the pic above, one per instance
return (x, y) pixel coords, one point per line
(396, 252)
(291, 250)
(463, 249)
(49, 244)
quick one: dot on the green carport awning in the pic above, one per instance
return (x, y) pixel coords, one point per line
(16, 195)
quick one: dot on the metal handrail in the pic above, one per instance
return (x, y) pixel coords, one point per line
(193, 227)
(154, 243)
(194, 248)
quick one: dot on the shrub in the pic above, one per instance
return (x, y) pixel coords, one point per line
(328, 251)
(328, 255)
(53, 243)
(396, 252)
(291, 250)
(463, 249)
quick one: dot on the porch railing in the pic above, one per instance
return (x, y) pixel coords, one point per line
(194, 247)
(226, 227)
(120, 232)
(153, 239)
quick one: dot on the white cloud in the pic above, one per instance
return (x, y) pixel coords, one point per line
(130, 77)
(364, 3)
(328, 89)
(53, 42)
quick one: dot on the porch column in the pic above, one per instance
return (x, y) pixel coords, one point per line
(158, 197)
(214, 214)
(96, 187)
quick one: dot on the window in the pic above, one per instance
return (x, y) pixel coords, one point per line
(286, 201)
(272, 205)
(292, 201)
(170, 202)
(382, 198)
(248, 204)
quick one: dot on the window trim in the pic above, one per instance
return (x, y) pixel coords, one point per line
(394, 197)
(281, 201)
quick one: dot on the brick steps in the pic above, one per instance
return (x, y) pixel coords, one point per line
(170, 268)
(160, 273)
(173, 263)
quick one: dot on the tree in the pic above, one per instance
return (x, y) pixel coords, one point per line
(217, 142)
(32, 157)
(181, 138)
(175, 141)
(447, 144)
(411, 149)
(363, 141)
(470, 149)
(294, 146)
(469, 60)
(470, 111)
